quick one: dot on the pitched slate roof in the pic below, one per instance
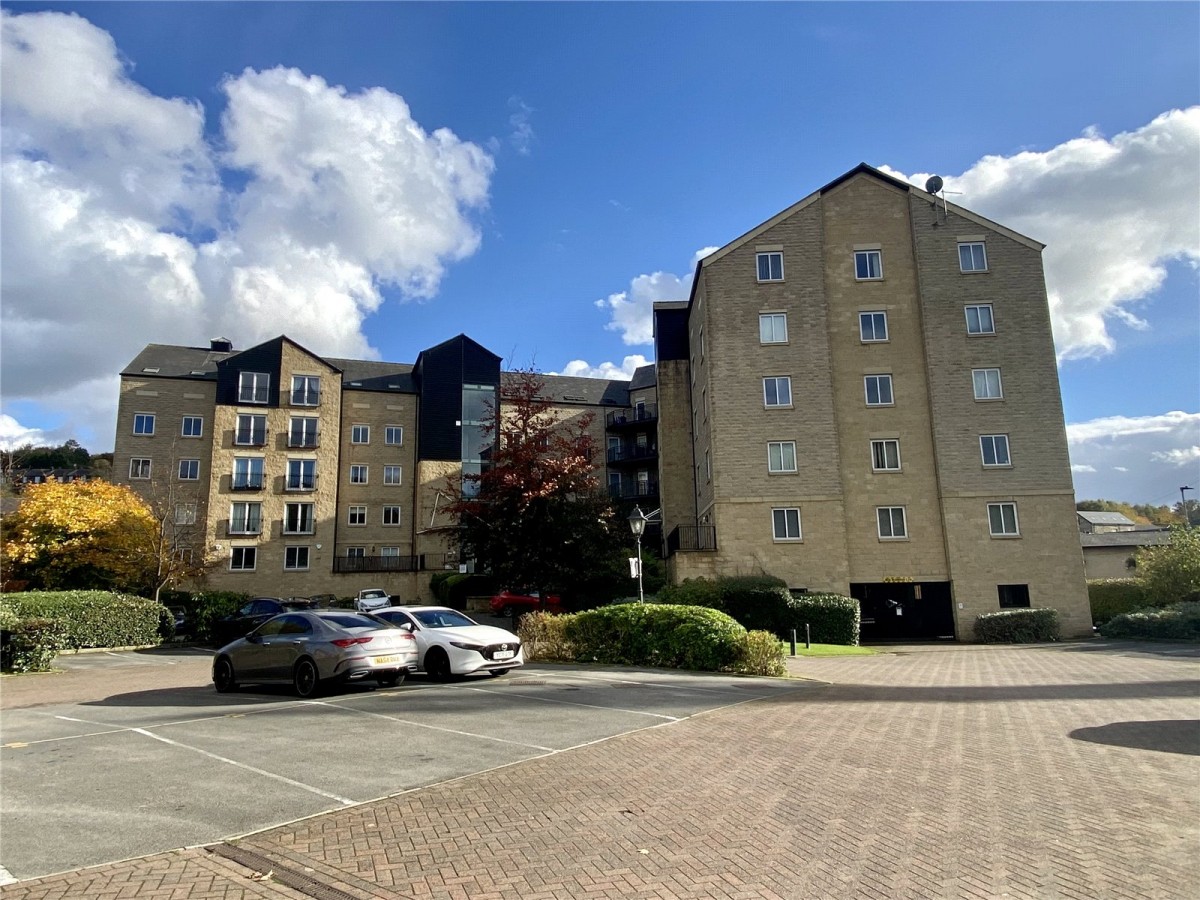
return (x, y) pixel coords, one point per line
(169, 361)
(1104, 518)
(584, 391)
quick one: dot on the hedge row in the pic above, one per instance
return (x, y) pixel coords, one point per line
(453, 588)
(95, 618)
(1113, 596)
(1018, 626)
(1179, 622)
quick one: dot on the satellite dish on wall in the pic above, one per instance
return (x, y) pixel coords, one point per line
(933, 184)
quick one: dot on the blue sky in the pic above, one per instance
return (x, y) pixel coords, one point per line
(373, 178)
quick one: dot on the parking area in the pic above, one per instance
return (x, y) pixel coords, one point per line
(150, 758)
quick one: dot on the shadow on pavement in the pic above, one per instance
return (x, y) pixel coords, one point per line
(1167, 736)
(867, 693)
(1142, 648)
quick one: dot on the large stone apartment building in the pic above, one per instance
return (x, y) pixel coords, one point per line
(860, 396)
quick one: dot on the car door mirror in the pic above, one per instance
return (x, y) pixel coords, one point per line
(254, 637)
(407, 626)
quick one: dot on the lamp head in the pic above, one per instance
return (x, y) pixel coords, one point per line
(637, 521)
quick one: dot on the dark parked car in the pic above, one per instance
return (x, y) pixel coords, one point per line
(253, 614)
(314, 648)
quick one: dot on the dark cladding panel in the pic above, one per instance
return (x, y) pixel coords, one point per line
(266, 358)
(670, 334)
(442, 371)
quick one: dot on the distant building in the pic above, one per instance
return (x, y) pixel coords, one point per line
(1104, 522)
(1110, 554)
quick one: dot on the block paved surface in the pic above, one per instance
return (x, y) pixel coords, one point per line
(1068, 771)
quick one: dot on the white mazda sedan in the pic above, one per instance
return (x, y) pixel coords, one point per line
(450, 643)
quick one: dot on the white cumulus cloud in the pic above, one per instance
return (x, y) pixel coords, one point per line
(623, 372)
(1180, 456)
(632, 310)
(1135, 458)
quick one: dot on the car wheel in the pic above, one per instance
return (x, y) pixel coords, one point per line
(305, 679)
(507, 612)
(391, 680)
(437, 664)
(223, 678)
(496, 673)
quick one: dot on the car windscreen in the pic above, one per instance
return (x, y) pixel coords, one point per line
(351, 620)
(442, 618)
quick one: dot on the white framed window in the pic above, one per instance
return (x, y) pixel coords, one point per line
(1002, 520)
(143, 424)
(707, 465)
(301, 475)
(298, 518)
(770, 266)
(360, 434)
(868, 265)
(972, 256)
(979, 319)
(777, 390)
(781, 456)
(772, 328)
(247, 473)
(358, 474)
(878, 389)
(357, 516)
(251, 430)
(139, 468)
(192, 427)
(391, 474)
(295, 558)
(987, 384)
(785, 523)
(885, 455)
(393, 435)
(892, 523)
(303, 432)
(245, 518)
(872, 327)
(306, 390)
(391, 552)
(189, 470)
(391, 515)
(243, 559)
(356, 552)
(185, 513)
(994, 449)
(253, 387)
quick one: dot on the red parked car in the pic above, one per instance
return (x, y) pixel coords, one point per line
(506, 603)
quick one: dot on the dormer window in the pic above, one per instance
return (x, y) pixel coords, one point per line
(253, 387)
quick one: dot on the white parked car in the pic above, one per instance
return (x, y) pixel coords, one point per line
(371, 599)
(450, 643)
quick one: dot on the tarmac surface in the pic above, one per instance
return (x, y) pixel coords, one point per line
(1059, 771)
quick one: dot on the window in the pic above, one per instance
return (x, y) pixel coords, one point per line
(358, 474)
(391, 552)
(356, 552)
(786, 524)
(247, 473)
(193, 427)
(892, 525)
(772, 328)
(242, 559)
(185, 513)
(885, 456)
(879, 390)
(143, 423)
(770, 266)
(360, 434)
(868, 265)
(781, 456)
(306, 390)
(979, 320)
(298, 518)
(358, 515)
(987, 384)
(302, 432)
(391, 515)
(251, 430)
(972, 257)
(1013, 596)
(994, 448)
(777, 391)
(707, 465)
(391, 474)
(1002, 519)
(302, 475)
(393, 435)
(139, 468)
(295, 558)
(245, 518)
(872, 327)
(189, 470)
(253, 387)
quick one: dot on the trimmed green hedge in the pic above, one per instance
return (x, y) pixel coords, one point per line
(452, 589)
(206, 607)
(762, 654)
(832, 618)
(93, 618)
(1113, 596)
(1179, 622)
(30, 645)
(1018, 626)
(651, 634)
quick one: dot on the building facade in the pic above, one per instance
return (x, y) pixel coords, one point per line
(859, 396)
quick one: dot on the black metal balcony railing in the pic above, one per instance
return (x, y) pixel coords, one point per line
(377, 564)
(254, 394)
(646, 413)
(309, 398)
(303, 442)
(242, 526)
(625, 454)
(689, 538)
(300, 483)
(251, 438)
(246, 483)
(633, 490)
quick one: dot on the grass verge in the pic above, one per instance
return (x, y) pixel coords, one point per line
(826, 650)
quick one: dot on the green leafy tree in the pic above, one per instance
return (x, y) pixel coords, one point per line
(536, 518)
(1171, 573)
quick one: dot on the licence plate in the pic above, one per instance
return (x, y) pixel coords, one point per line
(385, 660)
(505, 654)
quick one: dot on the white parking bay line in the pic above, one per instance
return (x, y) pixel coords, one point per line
(471, 734)
(632, 712)
(6, 876)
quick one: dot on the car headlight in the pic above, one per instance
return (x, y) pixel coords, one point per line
(462, 645)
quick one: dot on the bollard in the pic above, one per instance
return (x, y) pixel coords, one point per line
(807, 639)
(793, 642)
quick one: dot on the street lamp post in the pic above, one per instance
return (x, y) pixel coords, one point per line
(637, 524)
(1187, 520)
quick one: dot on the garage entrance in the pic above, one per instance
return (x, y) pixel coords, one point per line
(904, 611)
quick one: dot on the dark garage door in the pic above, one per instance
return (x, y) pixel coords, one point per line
(904, 611)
